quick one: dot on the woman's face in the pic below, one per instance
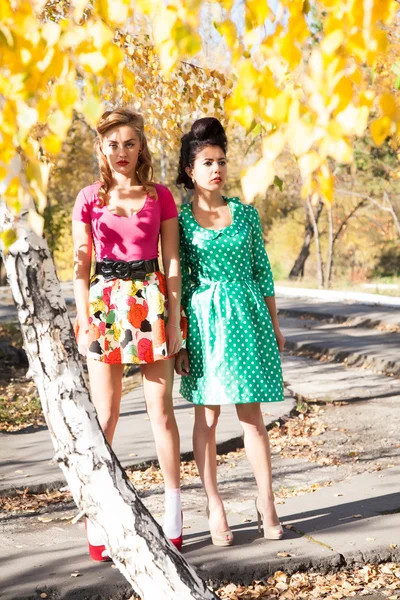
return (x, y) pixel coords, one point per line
(209, 169)
(121, 147)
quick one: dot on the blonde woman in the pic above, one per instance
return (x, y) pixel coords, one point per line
(128, 311)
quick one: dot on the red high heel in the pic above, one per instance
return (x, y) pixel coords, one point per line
(96, 552)
(177, 542)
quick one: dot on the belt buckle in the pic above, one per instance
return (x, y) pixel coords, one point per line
(121, 269)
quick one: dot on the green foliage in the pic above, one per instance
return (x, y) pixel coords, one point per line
(388, 264)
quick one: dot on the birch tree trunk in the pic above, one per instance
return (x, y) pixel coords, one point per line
(329, 260)
(320, 268)
(97, 481)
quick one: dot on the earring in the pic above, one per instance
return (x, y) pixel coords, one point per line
(193, 180)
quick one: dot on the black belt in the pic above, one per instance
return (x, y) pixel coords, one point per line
(119, 269)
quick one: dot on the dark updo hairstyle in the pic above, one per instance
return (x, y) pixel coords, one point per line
(204, 132)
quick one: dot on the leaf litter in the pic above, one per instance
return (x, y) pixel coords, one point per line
(346, 583)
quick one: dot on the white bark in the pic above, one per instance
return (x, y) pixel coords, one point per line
(98, 483)
(320, 267)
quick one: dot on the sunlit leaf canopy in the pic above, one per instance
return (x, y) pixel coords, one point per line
(301, 73)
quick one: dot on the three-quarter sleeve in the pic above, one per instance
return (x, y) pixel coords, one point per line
(262, 271)
(81, 210)
(186, 279)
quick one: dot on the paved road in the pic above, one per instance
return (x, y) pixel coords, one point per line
(352, 517)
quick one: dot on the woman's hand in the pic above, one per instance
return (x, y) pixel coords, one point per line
(174, 339)
(82, 336)
(280, 339)
(182, 362)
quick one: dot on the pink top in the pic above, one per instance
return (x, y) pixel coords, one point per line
(124, 238)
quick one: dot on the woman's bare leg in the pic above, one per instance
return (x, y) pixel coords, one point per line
(205, 453)
(258, 452)
(106, 391)
(158, 379)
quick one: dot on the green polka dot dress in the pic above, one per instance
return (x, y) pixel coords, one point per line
(234, 358)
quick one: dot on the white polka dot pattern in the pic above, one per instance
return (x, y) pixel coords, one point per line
(233, 353)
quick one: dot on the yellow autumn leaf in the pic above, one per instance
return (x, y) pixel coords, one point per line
(51, 32)
(353, 120)
(277, 109)
(380, 129)
(100, 33)
(289, 51)
(59, 122)
(337, 148)
(227, 29)
(256, 13)
(326, 183)
(8, 237)
(118, 11)
(78, 8)
(257, 179)
(52, 143)
(332, 42)
(388, 106)
(6, 36)
(66, 94)
(92, 108)
(273, 145)
(3, 173)
(300, 138)
(308, 163)
(94, 61)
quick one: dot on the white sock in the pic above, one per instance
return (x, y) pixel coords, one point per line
(173, 513)
(93, 535)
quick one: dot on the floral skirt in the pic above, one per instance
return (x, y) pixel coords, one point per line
(127, 320)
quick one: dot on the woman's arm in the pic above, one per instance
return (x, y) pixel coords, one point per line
(172, 270)
(263, 274)
(271, 305)
(82, 238)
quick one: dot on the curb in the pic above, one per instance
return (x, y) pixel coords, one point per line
(358, 322)
(354, 359)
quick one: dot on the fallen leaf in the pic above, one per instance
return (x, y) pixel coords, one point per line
(76, 574)
(285, 554)
(370, 539)
(43, 595)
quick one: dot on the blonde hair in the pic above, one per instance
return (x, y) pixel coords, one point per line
(144, 167)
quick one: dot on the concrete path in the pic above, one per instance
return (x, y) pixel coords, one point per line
(352, 517)
(26, 458)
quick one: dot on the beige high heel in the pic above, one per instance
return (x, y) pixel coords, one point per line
(220, 538)
(271, 532)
